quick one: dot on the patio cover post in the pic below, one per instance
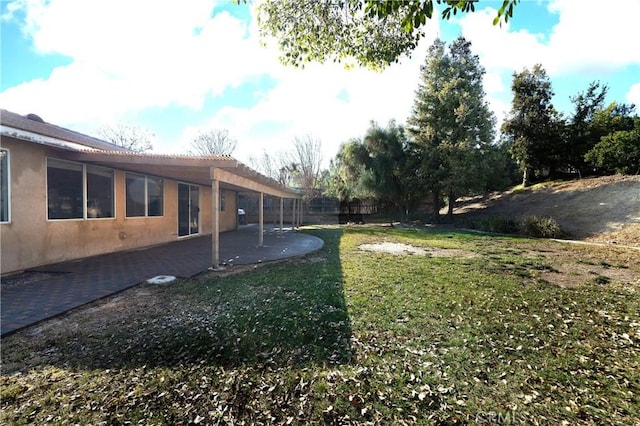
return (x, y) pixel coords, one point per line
(301, 211)
(215, 219)
(293, 216)
(261, 220)
(281, 213)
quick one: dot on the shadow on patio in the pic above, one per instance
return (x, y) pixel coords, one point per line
(65, 286)
(278, 315)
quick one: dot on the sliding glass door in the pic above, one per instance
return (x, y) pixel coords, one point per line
(188, 209)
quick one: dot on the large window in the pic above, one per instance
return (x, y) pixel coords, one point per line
(145, 196)
(4, 186)
(99, 192)
(155, 196)
(77, 191)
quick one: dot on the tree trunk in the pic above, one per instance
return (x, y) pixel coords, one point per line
(452, 202)
(436, 206)
(526, 177)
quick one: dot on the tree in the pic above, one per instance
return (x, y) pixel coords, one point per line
(128, 136)
(213, 142)
(451, 123)
(372, 33)
(618, 149)
(618, 152)
(499, 168)
(348, 171)
(581, 134)
(276, 166)
(532, 127)
(374, 167)
(386, 162)
(615, 117)
(305, 161)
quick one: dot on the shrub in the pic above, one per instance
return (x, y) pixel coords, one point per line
(497, 224)
(532, 226)
(541, 227)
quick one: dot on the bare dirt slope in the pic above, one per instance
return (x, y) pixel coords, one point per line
(605, 209)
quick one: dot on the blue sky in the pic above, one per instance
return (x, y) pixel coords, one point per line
(177, 71)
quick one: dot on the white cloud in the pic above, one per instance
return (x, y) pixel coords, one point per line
(500, 48)
(633, 95)
(594, 36)
(128, 56)
(585, 39)
(326, 101)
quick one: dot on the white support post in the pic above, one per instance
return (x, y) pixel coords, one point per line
(301, 212)
(281, 214)
(261, 221)
(215, 220)
(293, 214)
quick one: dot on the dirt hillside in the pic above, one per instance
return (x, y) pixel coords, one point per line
(605, 209)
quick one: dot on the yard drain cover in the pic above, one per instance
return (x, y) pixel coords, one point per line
(161, 279)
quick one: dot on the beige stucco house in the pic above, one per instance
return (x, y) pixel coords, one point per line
(65, 195)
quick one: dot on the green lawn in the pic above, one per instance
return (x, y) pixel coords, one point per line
(477, 330)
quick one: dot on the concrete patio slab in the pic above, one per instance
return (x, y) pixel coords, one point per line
(69, 285)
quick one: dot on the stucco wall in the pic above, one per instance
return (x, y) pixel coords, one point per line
(228, 217)
(30, 240)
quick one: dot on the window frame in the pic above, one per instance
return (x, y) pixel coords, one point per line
(146, 195)
(8, 199)
(85, 191)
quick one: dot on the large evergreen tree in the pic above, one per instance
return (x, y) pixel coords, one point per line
(451, 123)
(581, 134)
(532, 126)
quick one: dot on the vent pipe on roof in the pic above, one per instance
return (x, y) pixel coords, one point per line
(34, 117)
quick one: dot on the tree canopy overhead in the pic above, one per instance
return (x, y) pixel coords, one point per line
(369, 33)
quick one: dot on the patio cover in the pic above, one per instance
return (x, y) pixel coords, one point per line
(218, 171)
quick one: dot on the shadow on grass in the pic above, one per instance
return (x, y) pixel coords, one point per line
(290, 313)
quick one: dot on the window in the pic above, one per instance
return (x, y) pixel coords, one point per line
(4, 185)
(64, 190)
(222, 200)
(145, 196)
(77, 191)
(155, 196)
(135, 196)
(99, 192)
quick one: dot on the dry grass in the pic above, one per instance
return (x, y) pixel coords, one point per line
(605, 209)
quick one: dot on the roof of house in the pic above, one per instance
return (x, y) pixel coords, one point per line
(196, 169)
(33, 124)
